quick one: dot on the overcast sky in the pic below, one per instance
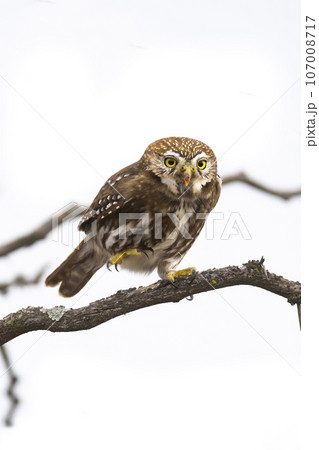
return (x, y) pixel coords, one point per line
(85, 87)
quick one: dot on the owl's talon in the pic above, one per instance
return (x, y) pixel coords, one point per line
(193, 276)
(118, 257)
(172, 284)
(181, 273)
(108, 265)
(143, 251)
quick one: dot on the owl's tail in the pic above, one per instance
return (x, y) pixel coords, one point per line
(76, 270)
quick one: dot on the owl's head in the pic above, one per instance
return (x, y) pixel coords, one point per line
(182, 164)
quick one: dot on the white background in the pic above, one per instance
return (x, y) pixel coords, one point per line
(85, 87)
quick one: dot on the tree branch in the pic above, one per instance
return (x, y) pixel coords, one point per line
(243, 178)
(20, 281)
(59, 318)
(70, 211)
(13, 379)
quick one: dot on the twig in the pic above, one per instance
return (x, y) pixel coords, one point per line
(69, 211)
(20, 281)
(299, 313)
(10, 391)
(243, 178)
(59, 318)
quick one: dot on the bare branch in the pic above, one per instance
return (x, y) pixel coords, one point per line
(59, 318)
(12, 382)
(243, 178)
(20, 281)
(69, 211)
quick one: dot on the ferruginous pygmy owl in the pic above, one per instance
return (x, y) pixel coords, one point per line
(147, 215)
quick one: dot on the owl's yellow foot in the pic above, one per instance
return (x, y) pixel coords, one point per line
(118, 258)
(181, 273)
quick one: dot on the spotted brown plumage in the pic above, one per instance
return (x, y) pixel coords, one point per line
(147, 215)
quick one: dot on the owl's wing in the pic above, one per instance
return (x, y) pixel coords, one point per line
(111, 197)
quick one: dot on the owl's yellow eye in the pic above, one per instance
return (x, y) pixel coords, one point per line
(170, 162)
(201, 164)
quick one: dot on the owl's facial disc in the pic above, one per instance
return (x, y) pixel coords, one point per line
(182, 173)
(179, 172)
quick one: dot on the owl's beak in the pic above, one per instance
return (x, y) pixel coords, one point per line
(186, 174)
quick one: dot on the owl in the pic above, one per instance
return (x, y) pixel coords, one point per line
(146, 216)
